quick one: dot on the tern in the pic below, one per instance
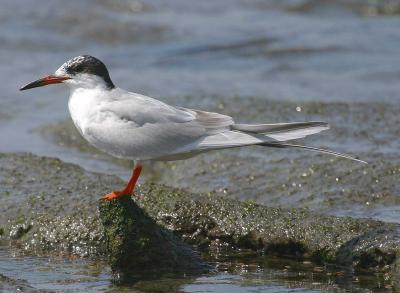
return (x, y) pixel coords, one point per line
(136, 127)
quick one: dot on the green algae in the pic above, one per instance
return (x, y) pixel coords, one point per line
(296, 233)
(59, 204)
(135, 243)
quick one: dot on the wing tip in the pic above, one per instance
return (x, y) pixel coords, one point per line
(323, 124)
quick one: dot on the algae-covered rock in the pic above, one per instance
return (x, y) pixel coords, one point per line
(212, 220)
(51, 207)
(136, 243)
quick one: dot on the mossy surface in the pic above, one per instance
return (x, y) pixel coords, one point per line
(211, 220)
(48, 206)
(136, 243)
(51, 207)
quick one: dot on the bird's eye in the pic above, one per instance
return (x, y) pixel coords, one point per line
(78, 68)
(75, 68)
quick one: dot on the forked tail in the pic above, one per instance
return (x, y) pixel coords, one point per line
(283, 131)
(269, 135)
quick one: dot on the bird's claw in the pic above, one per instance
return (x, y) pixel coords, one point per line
(118, 194)
(113, 195)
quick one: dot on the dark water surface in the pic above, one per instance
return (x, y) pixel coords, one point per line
(261, 61)
(242, 272)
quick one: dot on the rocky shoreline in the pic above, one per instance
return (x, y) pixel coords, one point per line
(52, 208)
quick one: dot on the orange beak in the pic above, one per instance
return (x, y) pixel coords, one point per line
(49, 79)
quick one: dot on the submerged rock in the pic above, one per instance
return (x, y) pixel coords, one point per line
(51, 207)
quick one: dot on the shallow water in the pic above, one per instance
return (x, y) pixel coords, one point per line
(263, 61)
(243, 272)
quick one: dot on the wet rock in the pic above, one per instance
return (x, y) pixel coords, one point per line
(212, 220)
(136, 243)
(50, 207)
(78, 234)
(17, 231)
(59, 202)
(12, 285)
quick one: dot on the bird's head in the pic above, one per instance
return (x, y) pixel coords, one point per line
(83, 71)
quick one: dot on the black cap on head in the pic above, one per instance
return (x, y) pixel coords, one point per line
(88, 64)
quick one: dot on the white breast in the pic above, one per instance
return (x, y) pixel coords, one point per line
(83, 106)
(99, 126)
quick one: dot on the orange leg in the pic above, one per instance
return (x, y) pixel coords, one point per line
(128, 190)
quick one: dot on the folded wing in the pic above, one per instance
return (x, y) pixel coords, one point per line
(154, 130)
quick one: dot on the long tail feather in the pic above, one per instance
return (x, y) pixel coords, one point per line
(278, 127)
(313, 149)
(283, 131)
